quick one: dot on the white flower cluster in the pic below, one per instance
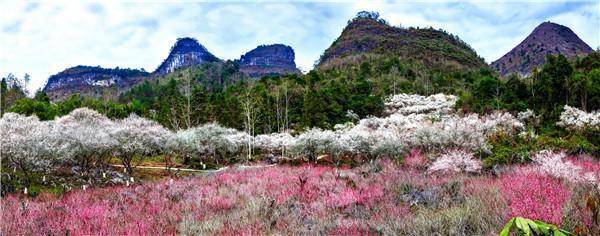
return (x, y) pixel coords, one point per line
(574, 119)
(436, 132)
(27, 143)
(139, 136)
(528, 116)
(209, 140)
(274, 142)
(83, 141)
(456, 161)
(417, 104)
(346, 142)
(554, 164)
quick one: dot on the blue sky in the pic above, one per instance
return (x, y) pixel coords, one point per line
(43, 38)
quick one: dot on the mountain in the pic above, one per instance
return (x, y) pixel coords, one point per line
(186, 52)
(366, 37)
(92, 81)
(547, 38)
(268, 60)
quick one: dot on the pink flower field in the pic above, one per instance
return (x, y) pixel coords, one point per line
(378, 198)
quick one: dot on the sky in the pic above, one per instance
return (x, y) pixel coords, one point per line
(44, 38)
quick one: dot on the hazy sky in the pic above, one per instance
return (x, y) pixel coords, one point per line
(43, 38)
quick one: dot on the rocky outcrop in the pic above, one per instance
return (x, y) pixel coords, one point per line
(96, 82)
(547, 38)
(186, 52)
(268, 60)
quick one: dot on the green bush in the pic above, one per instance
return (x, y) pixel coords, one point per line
(506, 149)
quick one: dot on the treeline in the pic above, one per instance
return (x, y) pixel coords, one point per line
(271, 104)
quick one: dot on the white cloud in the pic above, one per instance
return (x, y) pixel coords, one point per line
(44, 38)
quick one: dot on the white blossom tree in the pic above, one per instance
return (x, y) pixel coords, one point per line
(137, 138)
(28, 144)
(274, 143)
(456, 161)
(209, 141)
(575, 119)
(86, 137)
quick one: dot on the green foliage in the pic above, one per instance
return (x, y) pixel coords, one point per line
(41, 106)
(11, 90)
(507, 149)
(576, 143)
(529, 227)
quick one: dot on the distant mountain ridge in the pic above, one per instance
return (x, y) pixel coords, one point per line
(547, 38)
(365, 38)
(92, 81)
(268, 60)
(96, 82)
(186, 52)
(367, 34)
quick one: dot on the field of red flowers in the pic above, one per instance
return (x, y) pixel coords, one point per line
(380, 197)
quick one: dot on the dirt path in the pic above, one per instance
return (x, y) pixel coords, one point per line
(195, 170)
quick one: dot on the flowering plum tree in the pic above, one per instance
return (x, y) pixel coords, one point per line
(137, 138)
(575, 119)
(209, 140)
(416, 104)
(275, 142)
(313, 142)
(455, 161)
(86, 137)
(555, 164)
(28, 143)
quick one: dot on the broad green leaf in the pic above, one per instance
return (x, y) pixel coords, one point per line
(506, 230)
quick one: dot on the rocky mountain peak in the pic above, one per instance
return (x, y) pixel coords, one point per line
(268, 59)
(186, 52)
(546, 38)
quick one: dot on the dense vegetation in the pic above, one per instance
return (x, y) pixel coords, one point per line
(193, 96)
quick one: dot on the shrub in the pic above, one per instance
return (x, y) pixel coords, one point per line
(415, 159)
(555, 164)
(580, 216)
(462, 219)
(575, 119)
(506, 149)
(455, 161)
